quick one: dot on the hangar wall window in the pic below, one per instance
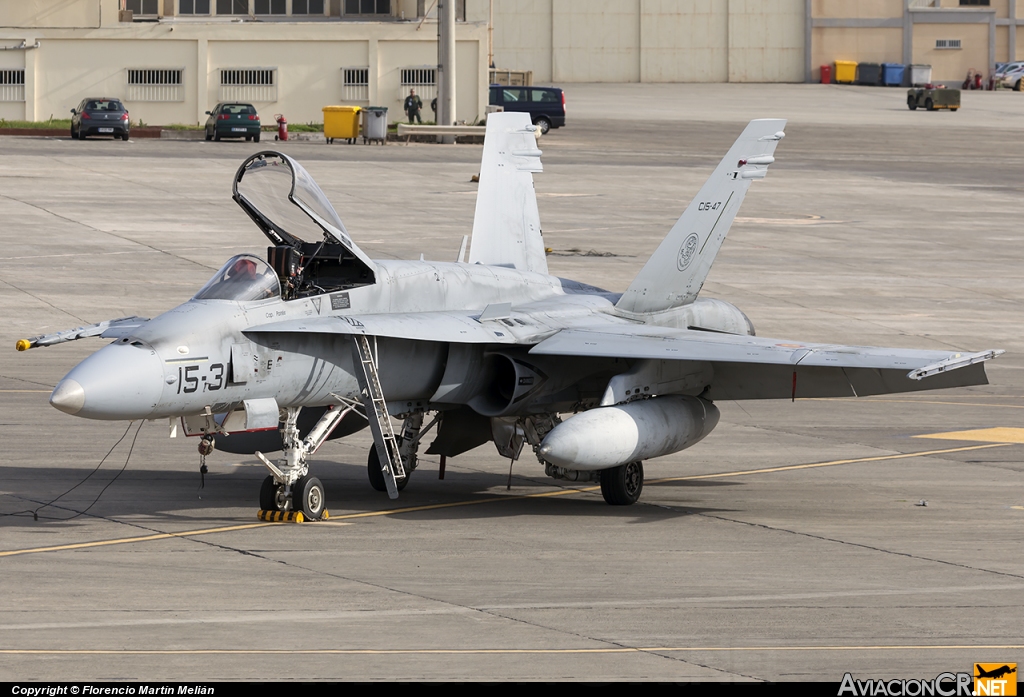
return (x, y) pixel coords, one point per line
(248, 85)
(367, 7)
(232, 7)
(947, 43)
(12, 85)
(356, 86)
(983, 3)
(307, 7)
(193, 7)
(423, 80)
(155, 85)
(143, 7)
(270, 7)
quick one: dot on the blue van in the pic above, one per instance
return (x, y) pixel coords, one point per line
(545, 105)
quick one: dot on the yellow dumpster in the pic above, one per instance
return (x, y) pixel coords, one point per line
(341, 122)
(846, 71)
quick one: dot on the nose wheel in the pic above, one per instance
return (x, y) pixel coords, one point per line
(290, 490)
(308, 497)
(268, 495)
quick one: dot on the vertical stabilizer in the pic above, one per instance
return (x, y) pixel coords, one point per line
(506, 227)
(675, 273)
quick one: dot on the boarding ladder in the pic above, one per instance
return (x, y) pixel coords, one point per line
(377, 414)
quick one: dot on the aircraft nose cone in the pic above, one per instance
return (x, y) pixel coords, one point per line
(68, 397)
(117, 382)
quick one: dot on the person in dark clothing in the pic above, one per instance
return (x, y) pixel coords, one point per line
(413, 104)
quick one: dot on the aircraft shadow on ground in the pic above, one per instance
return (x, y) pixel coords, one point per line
(175, 495)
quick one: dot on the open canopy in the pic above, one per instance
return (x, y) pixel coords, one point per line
(288, 205)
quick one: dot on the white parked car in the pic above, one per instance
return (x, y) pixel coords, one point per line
(1010, 75)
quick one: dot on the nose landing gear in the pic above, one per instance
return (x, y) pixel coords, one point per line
(289, 493)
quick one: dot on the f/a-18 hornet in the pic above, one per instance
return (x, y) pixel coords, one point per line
(319, 340)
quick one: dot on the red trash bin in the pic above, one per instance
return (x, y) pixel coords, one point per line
(826, 74)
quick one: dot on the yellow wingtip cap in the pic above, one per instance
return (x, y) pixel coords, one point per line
(23, 345)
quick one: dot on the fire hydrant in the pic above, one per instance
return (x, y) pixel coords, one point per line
(282, 127)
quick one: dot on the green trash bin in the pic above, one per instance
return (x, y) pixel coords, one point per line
(341, 122)
(375, 124)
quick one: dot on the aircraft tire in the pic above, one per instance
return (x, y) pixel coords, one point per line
(621, 486)
(373, 471)
(308, 497)
(268, 495)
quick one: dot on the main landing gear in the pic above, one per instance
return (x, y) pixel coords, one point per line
(621, 486)
(408, 443)
(392, 459)
(289, 490)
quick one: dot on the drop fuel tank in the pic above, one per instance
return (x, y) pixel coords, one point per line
(612, 436)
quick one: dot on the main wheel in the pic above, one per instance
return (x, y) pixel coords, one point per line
(912, 103)
(621, 486)
(308, 497)
(268, 495)
(377, 476)
(543, 123)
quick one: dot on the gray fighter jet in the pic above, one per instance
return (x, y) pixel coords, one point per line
(318, 340)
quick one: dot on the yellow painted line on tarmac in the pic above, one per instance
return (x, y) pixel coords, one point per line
(467, 652)
(919, 401)
(831, 463)
(985, 435)
(340, 519)
(128, 540)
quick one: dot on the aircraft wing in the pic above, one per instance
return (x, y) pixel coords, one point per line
(449, 327)
(749, 367)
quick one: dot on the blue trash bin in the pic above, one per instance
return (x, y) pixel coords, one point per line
(892, 74)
